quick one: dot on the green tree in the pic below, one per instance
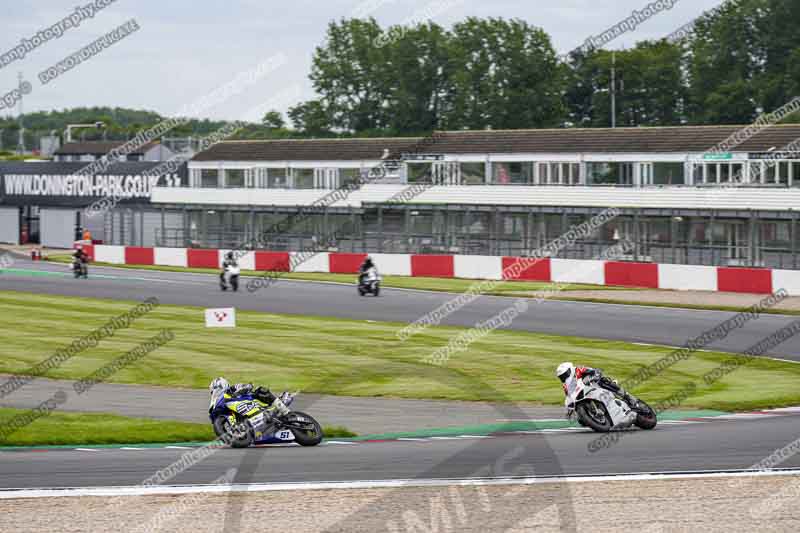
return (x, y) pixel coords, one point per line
(723, 67)
(504, 74)
(273, 120)
(347, 73)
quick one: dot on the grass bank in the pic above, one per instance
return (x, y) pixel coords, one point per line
(359, 358)
(77, 429)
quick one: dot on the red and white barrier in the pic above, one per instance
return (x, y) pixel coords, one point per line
(592, 272)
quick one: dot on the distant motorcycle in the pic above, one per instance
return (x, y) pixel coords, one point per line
(80, 269)
(242, 421)
(369, 282)
(230, 278)
(601, 409)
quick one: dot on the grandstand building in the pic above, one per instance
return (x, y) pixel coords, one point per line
(687, 195)
(503, 193)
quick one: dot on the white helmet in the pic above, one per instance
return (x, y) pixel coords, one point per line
(564, 371)
(219, 383)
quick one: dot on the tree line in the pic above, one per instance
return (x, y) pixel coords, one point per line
(741, 60)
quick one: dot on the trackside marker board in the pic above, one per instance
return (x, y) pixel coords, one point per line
(221, 318)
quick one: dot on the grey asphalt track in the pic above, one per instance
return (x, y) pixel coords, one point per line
(365, 416)
(719, 445)
(651, 325)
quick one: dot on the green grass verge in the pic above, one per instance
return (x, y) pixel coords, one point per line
(60, 428)
(359, 358)
(397, 282)
(77, 429)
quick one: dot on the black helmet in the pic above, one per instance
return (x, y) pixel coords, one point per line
(230, 255)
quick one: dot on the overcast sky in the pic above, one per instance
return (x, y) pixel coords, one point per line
(187, 48)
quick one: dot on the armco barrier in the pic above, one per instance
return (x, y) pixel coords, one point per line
(432, 266)
(139, 256)
(110, 254)
(272, 261)
(246, 260)
(575, 271)
(786, 279)
(477, 267)
(202, 258)
(316, 263)
(687, 277)
(749, 280)
(88, 249)
(345, 263)
(672, 277)
(393, 264)
(624, 274)
(171, 257)
(529, 269)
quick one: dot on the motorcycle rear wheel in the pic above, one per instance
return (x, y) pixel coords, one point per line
(647, 419)
(594, 415)
(312, 437)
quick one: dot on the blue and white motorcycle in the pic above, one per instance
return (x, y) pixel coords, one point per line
(244, 420)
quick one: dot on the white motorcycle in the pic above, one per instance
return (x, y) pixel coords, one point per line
(369, 282)
(230, 278)
(592, 405)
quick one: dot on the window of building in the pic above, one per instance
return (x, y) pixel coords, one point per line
(712, 174)
(795, 173)
(277, 178)
(782, 173)
(668, 174)
(234, 178)
(209, 178)
(303, 178)
(770, 173)
(737, 172)
(349, 176)
(697, 173)
(420, 173)
(574, 173)
(607, 173)
(473, 173)
(512, 173)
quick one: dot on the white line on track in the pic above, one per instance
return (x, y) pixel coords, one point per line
(7, 494)
(86, 450)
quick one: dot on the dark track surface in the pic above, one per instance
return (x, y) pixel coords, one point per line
(719, 445)
(732, 444)
(671, 327)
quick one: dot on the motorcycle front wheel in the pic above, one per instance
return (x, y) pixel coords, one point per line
(645, 417)
(594, 415)
(236, 437)
(311, 432)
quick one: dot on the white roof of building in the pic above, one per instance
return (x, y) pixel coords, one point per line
(764, 199)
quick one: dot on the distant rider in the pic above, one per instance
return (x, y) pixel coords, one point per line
(81, 257)
(230, 261)
(569, 374)
(364, 268)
